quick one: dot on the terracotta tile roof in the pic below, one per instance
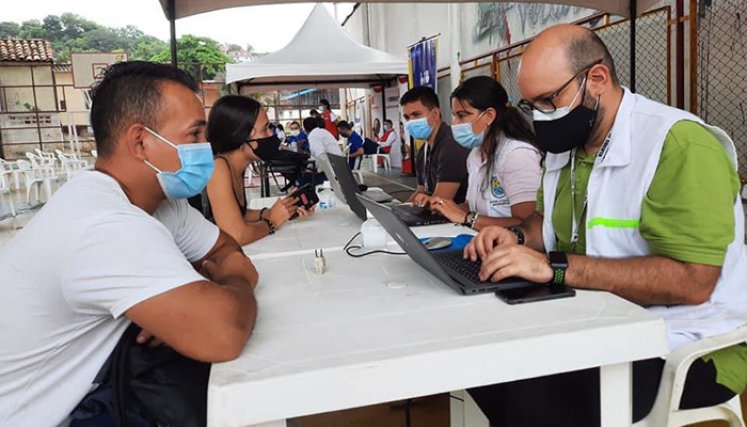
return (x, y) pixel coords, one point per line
(26, 50)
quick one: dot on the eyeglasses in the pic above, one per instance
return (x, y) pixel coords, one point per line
(546, 103)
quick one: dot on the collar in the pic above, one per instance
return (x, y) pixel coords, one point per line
(619, 152)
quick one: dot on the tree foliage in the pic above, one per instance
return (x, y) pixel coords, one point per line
(73, 33)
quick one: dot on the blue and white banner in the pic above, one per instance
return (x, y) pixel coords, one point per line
(422, 64)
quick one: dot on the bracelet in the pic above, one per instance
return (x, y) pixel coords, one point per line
(466, 221)
(269, 225)
(262, 212)
(473, 223)
(519, 234)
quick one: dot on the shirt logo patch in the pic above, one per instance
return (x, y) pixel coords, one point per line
(495, 187)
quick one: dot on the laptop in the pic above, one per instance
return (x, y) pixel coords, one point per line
(447, 265)
(413, 216)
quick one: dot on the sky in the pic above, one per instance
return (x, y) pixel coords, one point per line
(267, 28)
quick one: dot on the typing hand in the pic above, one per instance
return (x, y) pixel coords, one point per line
(516, 261)
(448, 209)
(421, 200)
(487, 240)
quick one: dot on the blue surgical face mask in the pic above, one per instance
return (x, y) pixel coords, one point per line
(196, 169)
(419, 128)
(465, 136)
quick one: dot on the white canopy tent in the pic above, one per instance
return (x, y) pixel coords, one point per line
(184, 8)
(175, 9)
(320, 55)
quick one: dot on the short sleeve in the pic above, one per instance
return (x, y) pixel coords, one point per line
(419, 160)
(452, 162)
(521, 175)
(688, 211)
(194, 235)
(122, 260)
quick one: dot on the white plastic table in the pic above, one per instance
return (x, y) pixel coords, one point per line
(327, 229)
(380, 328)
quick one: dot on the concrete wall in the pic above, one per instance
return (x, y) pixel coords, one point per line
(18, 99)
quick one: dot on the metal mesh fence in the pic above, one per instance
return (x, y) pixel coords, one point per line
(652, 56)
(507, 74)
(722, 70)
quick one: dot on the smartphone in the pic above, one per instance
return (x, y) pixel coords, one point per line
(535, 293)
(305, 197)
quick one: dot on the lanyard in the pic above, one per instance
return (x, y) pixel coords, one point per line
(425, 167)
(575, 224)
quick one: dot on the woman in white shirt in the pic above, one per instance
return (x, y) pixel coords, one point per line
(504, 165)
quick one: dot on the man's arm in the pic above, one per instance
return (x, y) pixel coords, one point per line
(202, 320)
(645, 280)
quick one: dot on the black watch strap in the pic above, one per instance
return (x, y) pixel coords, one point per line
(519, 234)
(559, 264)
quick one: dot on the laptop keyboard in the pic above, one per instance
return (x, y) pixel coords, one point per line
(454, 261)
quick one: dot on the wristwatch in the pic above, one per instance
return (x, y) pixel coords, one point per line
(559, 264)
(519, 234)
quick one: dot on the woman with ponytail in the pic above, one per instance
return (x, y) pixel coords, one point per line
(504, 164)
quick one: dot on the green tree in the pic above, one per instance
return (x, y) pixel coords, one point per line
(148, 48)
(192, 52)
(9, 30)
(31, 29)
(52, 25)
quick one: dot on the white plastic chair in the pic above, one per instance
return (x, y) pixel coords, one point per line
(666, 412)
(34, 179)
(374, 158)
(70, 164)
(7, 199)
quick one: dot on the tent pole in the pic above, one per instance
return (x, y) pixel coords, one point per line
(633, 11)
(383, 102)
(172, 25)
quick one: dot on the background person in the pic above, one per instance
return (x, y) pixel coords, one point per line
(503, 165)
(355, 142)
(442, 163)
(330, 119)
(239, 133)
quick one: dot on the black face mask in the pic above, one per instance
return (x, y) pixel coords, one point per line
(566, 133)
(267, 148)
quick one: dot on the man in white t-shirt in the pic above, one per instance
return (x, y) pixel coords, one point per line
(321, 141)
(119, 245)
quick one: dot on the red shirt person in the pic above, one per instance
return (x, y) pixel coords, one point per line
(330, 119)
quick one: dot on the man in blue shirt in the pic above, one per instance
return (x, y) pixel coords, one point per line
(355, 142)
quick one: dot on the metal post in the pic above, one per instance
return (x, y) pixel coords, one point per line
(633, 11)
(383, 103)
(172, 24)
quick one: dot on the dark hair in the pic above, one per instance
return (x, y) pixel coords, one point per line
(280, 127)
(324, 102)
(584, 50)
(424, 94)
(389, 121)
(342, 124)
(231, 121)
(294, 123)
(313, 112)
(310, 123)
(130, 92)
(484, 92)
